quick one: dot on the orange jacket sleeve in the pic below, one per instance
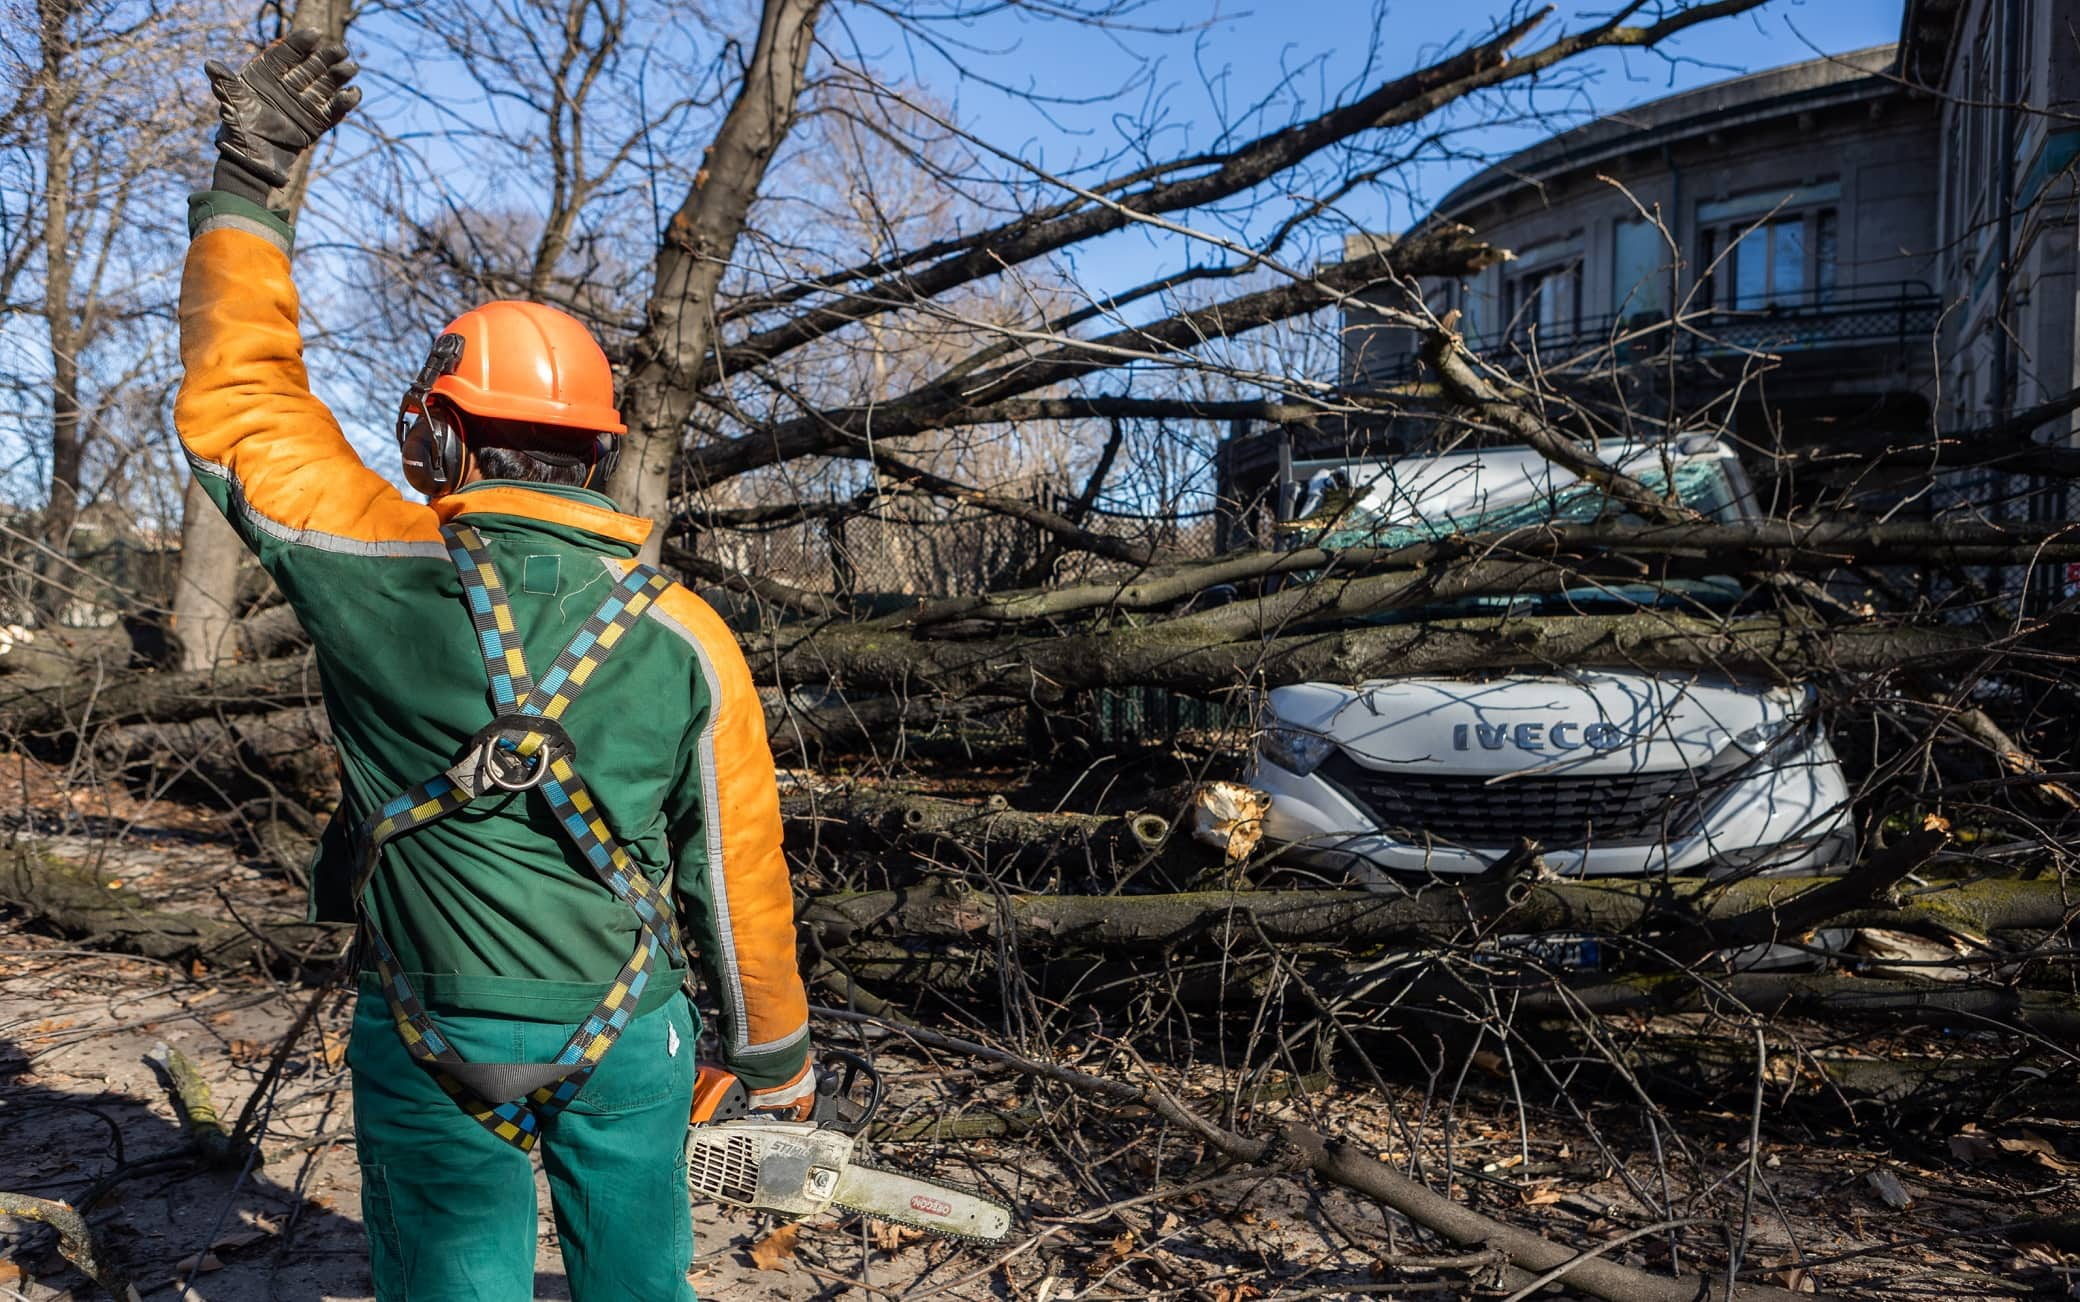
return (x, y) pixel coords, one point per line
(732, 878)
(267, 451)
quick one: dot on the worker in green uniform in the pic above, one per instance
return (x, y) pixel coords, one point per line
(556, 780)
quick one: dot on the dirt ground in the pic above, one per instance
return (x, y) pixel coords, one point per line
(1105, 1211)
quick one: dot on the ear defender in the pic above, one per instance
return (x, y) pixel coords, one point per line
(606, 451)
(432, 453)
(427, 440)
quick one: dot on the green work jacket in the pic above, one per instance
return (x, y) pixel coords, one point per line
(491, 910)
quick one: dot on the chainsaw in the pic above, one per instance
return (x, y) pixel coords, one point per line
(801, 1168)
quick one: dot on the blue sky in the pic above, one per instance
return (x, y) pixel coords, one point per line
(1239, 52)
(1197, 67)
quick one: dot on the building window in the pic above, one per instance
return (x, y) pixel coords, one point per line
(1953, 175)
(1826, 250)
(1787, 261)
(1979, 132)
(1545, 303)
(1640, 268)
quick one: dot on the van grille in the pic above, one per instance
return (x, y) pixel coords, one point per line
(1557, 811)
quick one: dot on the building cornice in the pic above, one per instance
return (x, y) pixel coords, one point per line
(1742, 101)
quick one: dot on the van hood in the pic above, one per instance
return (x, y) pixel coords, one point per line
(1579, 723)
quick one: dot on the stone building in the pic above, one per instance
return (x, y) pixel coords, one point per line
(2007, 77)
(1812, 251)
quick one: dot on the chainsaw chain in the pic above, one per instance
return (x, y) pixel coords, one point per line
(935, 1228)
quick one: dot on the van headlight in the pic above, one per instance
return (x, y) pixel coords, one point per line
(1756, 740)
(1770, 732)
(1294, 749)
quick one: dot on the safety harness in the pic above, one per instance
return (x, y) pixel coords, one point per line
(524, 748)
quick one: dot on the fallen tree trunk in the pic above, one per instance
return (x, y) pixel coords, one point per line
(1817, 546)
(1037, 851)
(1209, 656)
(1358, 919)
(1049, 668)
(82, 906)
(1766, 995)
(285, 752)
(132, 697)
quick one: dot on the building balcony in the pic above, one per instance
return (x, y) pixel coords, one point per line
(1848, 334)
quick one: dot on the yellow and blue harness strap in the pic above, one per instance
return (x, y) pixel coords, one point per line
(543, 755)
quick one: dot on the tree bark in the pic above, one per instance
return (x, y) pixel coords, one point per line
(1048, 668)
(62, 326)
(1346, 920)
(205, 593)
(1036, 851)
(1770, 995)
(74, 900)
(76, 1241)
(231, 690)
(1810, 546)
(696, 249)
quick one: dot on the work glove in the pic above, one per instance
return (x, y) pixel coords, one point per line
(794, 1101)
(275, 108)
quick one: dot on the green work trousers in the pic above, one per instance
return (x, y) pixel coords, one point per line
(450, 1208)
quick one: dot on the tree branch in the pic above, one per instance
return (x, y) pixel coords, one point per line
(1447, 251)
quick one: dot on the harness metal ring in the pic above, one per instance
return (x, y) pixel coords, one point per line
(500, 765)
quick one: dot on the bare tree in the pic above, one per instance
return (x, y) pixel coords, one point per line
(102, 159)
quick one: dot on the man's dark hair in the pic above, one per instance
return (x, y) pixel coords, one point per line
(511, 449)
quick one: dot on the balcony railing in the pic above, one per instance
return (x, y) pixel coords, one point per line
(1900, 315)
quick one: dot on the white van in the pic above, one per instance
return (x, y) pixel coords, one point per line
(1608, 771)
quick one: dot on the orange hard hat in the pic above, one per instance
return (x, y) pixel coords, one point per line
(530, 362)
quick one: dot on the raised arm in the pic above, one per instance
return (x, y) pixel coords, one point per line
(263, 447)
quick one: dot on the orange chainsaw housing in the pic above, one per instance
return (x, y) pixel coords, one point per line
(717, 1096)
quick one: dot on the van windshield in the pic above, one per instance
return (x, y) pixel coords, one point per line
(1701, 483)
(1399, 519)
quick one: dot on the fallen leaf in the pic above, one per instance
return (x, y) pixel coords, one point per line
(1973, 1149)
(1542, 1197)
(777, 1247)
(1117, 1251)
(1935, 823)
(2040, 1149)
(891, 1238)
(9, 1272)
(1170, 1224)
(333, 1048)
(1239, 1291)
